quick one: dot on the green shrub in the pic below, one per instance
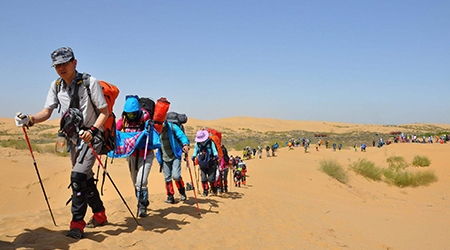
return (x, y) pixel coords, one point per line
(367, 169)
(334, 169)
(421, 161)
(396, 178)
(423, 178)
(407, 179)
(397, 163)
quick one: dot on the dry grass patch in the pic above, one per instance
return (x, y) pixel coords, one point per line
(367, 169)
(334, 169)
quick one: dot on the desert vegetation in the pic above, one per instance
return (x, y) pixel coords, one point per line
(395, 174)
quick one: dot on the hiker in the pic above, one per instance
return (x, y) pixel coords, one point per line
(306, 145)
(174, 143)
(243, 168)
(223, 172)
(133, 119)
(267, 150)
(363, 147)
(206, 154)
(67, 91)
(274, 148)
(237, 177)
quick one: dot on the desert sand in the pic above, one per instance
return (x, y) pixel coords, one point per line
(287, 202)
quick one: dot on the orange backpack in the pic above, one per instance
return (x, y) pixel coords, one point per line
(111, 92)
(216, 137)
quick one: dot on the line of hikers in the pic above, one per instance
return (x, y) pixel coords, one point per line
(249, 152)
(89, 129)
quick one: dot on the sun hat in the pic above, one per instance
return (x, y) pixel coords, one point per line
(201, 136)
(62, 55)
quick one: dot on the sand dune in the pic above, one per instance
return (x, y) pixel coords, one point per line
(287, 204)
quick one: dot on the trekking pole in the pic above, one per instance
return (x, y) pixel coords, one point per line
(98, 171)
(196, 179)
(37, 172)
(190, 174)
(112, 182)
(143, 167)
(231, 176)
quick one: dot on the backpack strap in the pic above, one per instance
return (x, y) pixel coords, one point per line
(74, 100)
(58, 88)
(86, 84)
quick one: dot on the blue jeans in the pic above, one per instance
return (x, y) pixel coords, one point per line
(172, 169)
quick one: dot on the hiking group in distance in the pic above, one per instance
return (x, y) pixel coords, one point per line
(89, 129)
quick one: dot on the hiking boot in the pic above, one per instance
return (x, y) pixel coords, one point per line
(205, 193)
(170, 199)
(182, 191)
(75, 233)
(225, 189)
(142, 211)
(94, 223)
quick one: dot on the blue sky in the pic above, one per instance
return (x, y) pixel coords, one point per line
(370, 62)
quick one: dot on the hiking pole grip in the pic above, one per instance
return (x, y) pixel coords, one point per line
(38, 175)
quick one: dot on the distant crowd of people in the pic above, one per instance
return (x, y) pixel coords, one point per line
(249, 152)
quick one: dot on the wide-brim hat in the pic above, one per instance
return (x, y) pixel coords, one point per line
(201, 136)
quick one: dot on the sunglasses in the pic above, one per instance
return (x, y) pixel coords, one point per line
(131, 115)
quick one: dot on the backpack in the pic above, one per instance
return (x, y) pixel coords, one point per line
(161, 107)
(216, 137)
(148, 104)
(204, 156)
(204, 160)
(111, 92)
(176, 118)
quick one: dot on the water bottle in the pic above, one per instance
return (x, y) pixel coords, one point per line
(60, 145)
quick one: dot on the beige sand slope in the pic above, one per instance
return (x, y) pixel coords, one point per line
(287, 204)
